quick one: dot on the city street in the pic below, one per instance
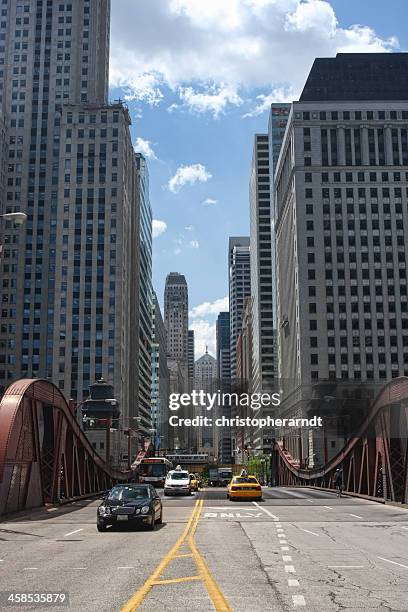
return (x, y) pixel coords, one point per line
(299, 548)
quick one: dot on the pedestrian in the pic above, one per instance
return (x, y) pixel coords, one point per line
(338, 481)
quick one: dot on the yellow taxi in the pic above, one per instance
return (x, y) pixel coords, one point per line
(244, 486)
(193, 482)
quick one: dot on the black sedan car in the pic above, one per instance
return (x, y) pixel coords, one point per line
(130, 504)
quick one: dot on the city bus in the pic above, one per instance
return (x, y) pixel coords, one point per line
(153, 470)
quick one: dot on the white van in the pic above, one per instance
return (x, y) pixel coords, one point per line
(177, 482)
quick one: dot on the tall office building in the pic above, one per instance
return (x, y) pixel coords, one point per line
(278, 120)
(145, 308)
(190, 356)
(71, 290)
(176, 324)
(261, 266)
(239, 288)
(341, 198)
(52, 56)
(223, 347)
(160, 380)
(224, 383)
(205, 378)
(176, 315)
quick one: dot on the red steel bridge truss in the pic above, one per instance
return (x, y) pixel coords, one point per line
(374, 461)
(45, 457)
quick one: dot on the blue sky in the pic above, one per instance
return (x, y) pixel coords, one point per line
(198, 78)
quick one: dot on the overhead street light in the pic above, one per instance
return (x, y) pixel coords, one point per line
(18, 217)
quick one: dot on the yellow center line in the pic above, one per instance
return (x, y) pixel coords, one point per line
(214, 591)
(176, 580)
(135, 601)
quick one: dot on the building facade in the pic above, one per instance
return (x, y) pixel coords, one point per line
(341, 200)
(206, 380)
(51, 56)
(176, 324)
(145, 309)
(239, 276)
(72, 169)
(224, 383)
(261, 266)
(160, 381)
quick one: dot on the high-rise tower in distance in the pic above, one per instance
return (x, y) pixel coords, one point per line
(176, 316)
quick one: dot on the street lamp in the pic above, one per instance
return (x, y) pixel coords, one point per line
(18, 217)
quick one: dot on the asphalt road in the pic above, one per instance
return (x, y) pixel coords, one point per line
(298, 549)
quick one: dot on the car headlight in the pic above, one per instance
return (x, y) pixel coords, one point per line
(104, 510)
(145, 509)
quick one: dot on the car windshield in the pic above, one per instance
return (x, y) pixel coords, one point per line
(242, 480)
(179, 475)
(128, 493)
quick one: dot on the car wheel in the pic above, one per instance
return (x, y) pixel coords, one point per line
(100, 527)
(152, 525)
(228, 496)
(160, 519)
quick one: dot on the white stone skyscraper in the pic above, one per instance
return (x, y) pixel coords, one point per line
(341, 202)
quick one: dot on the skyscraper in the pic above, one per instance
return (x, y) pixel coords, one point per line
(75, 268)
(239, 289)
(341, 199)
(60, 64)
(190, 354)
(145, 293)
(160, 380)
(176, 324)
(261, 266)
(224, 382)
(206, 380)
(176, 316)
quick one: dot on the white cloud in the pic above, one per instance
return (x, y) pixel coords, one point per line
(212, 99)
(210, 54)
(189, 228)
(279, 94)
(188, 175)
(209, 202)
(158, 227)
(204, 335)
(145, 148)
(194, 244)
(209, 308)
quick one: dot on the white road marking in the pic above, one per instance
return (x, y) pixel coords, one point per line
(401, 528)
(287, 558)
(307, 531)
(328, 507)
(284, 547)
(275, 518)
(345, 566)
(72, 532)
(30, 568)
(393, 562)
(281, 535)
(282, 542)
(293, 582)
(280, 530)
(355, 515)
(289, 569)
(310, 500)
(79, 568)
(298, 600)
(126, 567)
